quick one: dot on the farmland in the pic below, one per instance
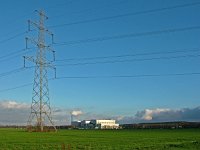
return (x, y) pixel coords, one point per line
(18, 139)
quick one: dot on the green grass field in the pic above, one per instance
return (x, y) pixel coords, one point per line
(16, 139)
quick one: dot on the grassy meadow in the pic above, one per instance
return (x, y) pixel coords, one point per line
(156, 139)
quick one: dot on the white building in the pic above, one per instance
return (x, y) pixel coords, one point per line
(105, 124)
(95, 124)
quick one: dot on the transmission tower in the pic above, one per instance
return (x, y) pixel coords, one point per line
(40, 118)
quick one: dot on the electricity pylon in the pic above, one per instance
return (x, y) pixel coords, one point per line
(40, 117)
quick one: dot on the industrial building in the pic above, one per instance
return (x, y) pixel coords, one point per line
(95, 124)
(76, 123)
(105, 124)
(162, 125)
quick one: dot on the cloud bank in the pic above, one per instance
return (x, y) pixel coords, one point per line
(13, 113)
(16, 113)
(158, 114)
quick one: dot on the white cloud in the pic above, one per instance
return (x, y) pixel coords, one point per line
(13, 105)
(76, 112)
(150, 113)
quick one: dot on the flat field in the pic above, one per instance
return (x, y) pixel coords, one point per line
(156, 139)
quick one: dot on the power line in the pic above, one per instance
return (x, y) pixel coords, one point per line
(130, 55)
(14, 54)
(14, 71)
(61, 4)
(13, 21)
(23, 69)
(129, 76)
(94, 8)
(125, 15)
(12, 37)
(104, 6)
(128, 60)
(16, 87)
(115, 76)
(14, 31)
(139, 34)
(11, 72)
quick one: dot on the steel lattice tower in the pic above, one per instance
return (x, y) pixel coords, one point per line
(40, 117)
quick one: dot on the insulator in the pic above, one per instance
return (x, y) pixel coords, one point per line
(29, 26)
(26, 43)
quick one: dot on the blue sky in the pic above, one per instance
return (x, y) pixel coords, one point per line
(114, 96)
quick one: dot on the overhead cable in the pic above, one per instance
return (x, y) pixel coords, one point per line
(125, 15)
(115, 76)
(128, 60)
(131, 35)
(130, 55)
